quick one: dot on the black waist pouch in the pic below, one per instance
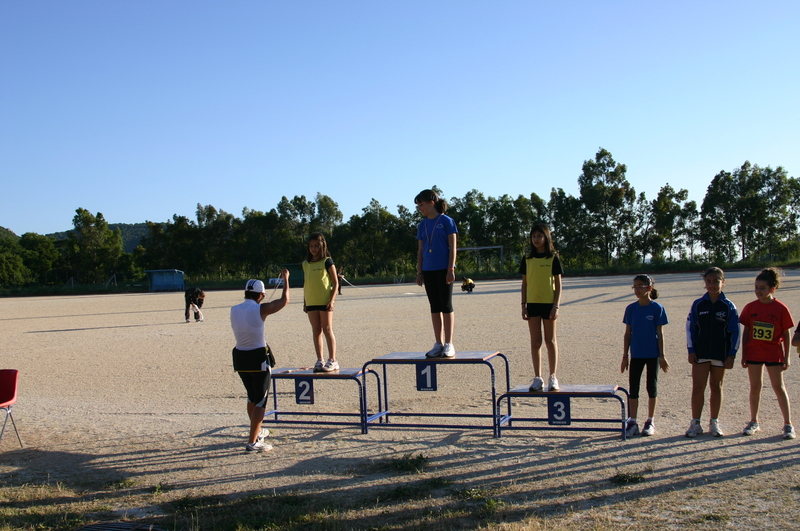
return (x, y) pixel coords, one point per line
(249, 360)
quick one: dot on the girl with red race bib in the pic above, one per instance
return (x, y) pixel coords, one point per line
(765, 342)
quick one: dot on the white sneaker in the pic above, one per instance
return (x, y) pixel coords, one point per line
(318, 366)
(552, 383)
(694, 430)
(448, 351)
(788, 432)
(631, 428)
(263, 435)
(537, 384)
(330, 366)
(257, 447)
(714, 429)
(751, 428)
(436, 351)
(649, 428)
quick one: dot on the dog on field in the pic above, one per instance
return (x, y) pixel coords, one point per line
(467, 284)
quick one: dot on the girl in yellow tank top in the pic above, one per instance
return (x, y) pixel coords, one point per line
(541, 294)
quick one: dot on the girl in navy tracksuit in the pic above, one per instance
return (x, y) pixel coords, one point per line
(712, 336)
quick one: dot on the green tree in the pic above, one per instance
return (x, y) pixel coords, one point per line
(688, 230)
(295, 217)
(472, 219)
(376, 242)
(640, 236)
(12, 267)
(171, 245)
(257, 243)
(92, 249)
(744, 213)
(668, 209)
(570, 227)
(39, 254)
(214, 257)
(609, 199)
(327, 216)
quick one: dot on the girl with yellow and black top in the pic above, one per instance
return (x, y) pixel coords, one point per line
(541, 294)
(319, 292)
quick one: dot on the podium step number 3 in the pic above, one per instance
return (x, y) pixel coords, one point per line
(558, 413)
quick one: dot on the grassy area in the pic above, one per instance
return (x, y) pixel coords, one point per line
(233, 284)
(412, 500)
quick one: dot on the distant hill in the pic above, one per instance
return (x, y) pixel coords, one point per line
(7, 234)
(132, 234)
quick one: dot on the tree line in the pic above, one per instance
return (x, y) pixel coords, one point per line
(749, 214)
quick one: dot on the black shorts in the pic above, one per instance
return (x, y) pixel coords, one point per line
(440, 293)
(257, 386)
(766, 363)
(316, 308)
(537, 309)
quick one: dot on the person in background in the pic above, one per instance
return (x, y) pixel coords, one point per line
(194, 300)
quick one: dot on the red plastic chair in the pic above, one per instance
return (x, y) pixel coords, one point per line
(8, 395)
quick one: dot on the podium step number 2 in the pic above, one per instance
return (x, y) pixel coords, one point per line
(304, 391)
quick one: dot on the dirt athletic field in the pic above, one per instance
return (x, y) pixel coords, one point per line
(118, 389)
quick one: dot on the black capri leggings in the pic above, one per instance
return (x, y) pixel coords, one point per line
(636, 368)
(440, 293)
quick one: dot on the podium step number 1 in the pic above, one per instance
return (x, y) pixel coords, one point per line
(426, 377)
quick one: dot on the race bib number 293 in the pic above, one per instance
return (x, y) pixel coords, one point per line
(763, 331)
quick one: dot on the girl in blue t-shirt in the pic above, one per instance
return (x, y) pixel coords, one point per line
(436, 262)
(645, 342)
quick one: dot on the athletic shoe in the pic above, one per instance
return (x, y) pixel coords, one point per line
(257, 447)
(537, 384)
(436, 351)
(751, 428)
(330, 366)
(649, 428)
(187, 320)
(631, 428)
(788, 432)
(552, 383)
(198, 320)
(714, 429)
(318, 366)
(448, 351)
(263, 435)
(694, 430)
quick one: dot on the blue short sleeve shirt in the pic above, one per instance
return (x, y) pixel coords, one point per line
(644, 322)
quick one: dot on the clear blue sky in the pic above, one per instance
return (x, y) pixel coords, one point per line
(140, 110)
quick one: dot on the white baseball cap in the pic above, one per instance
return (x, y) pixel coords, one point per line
(255, 286)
